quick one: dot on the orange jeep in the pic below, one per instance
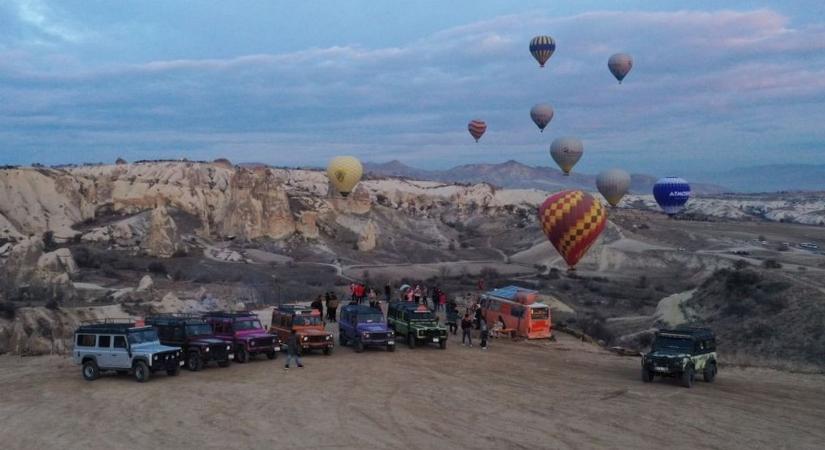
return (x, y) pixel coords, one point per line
(307, 324)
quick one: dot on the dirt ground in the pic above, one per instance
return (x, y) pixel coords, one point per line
(563, 394)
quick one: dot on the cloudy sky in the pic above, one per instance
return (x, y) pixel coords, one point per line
(296, 82)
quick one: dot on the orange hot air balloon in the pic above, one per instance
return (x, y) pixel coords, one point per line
(477, 127)
(572, 221)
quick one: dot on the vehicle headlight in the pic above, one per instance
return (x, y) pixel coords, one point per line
(227, 347)
(155, 358)
(329, 337)
(207, 349)
(366, 335)
(305, 338)
(390, 334)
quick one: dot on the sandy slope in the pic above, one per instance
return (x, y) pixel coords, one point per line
(515, 395)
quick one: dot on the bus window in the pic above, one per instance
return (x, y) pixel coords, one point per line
(540, 313)
(516, 311)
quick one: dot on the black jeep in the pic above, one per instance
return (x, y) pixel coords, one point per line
(681, 353)
(194, 336)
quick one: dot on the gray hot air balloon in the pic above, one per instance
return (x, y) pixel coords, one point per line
(566, 152)
(613, 185)
(541, 114)
(619, 65)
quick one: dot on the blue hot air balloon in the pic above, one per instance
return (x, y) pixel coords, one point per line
(671, 193)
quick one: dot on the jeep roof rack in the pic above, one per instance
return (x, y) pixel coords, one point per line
(229, 315)
(361, 309)
(696, 332)
(287, 307)
(176, 317)
(113, 325)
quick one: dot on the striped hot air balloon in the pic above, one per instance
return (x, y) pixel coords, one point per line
(572, 221)
(542, 48)
(477, 128)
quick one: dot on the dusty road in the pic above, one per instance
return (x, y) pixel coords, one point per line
(515, 395)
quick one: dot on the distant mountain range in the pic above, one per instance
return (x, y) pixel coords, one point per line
(773, 178)
(513, 174)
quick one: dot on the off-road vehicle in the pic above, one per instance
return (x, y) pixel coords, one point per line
(681, 353)
(243, 330)
(307, 324)
(416, 323)
(362, 327)
(122, 346)
(194, 336)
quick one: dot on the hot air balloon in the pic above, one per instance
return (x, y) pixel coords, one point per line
(566, 152)
(542, 48)
(344, 173)
(613, 185)
(477, 128)
(671, 193)
(572, 221)
(541, 114)
(619, 65)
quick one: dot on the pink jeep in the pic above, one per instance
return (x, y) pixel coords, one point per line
(245, 333)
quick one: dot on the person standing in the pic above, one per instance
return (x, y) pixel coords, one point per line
(409, 294)
(466, 330)
(332, 308)
(352, 292)
(319, 305)
(387, 292)
(292, 350)
(373, 298)
(485, 333)
(442, 300)
(452, 318)
(417, 294)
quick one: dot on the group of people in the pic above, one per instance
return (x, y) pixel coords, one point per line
(423, 295)
(332, 303)
(359, 292)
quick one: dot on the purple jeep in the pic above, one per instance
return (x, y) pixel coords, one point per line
(245, 333)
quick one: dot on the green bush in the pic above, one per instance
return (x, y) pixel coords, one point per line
(8, 310)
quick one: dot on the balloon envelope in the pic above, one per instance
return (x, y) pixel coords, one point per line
(572, 221)
(477, 128)
(542, 48)
(344, 173)
(671, 193)
(541, 114)
(613, 184)
(566, 152)
(619, 65)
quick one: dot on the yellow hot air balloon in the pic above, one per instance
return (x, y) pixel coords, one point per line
(344, 173)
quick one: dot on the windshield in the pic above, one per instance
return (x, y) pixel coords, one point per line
(421, 315)
(540, 313)
(201, 329)
(247, 324)
(673, 345)
(370, 318)
(306, 320)
(139, 337)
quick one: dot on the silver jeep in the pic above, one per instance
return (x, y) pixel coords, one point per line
(123, 347)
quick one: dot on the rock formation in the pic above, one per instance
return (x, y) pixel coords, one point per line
(163, 240)
(258, 207)
(368, 237)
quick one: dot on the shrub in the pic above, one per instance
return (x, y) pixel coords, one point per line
(741, 264)
(8, 310)
(85, 258)
(53, 305)
(771, 264)
(49, 245)
(157, 267)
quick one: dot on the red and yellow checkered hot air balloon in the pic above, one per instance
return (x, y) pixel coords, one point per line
(572, 221)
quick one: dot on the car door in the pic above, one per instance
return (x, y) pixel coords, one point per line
(104, 351)
(120, 353)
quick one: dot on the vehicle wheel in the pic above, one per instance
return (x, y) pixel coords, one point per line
(710, 372)
(647, 375)
(241, 355)
(391, 348)
(173, 372)
(359, 346)
(328, 351)
(410, 341)
(90, 370)
(224, 363)
(442, 344)
(142, 373)
(194, 361)
(272, 355)
(687, 377)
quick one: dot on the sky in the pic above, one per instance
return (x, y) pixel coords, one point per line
(294, 83)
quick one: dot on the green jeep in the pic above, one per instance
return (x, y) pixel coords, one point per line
(416, 323)
(681, 353)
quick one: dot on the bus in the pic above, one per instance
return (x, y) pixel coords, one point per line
(520, 311)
